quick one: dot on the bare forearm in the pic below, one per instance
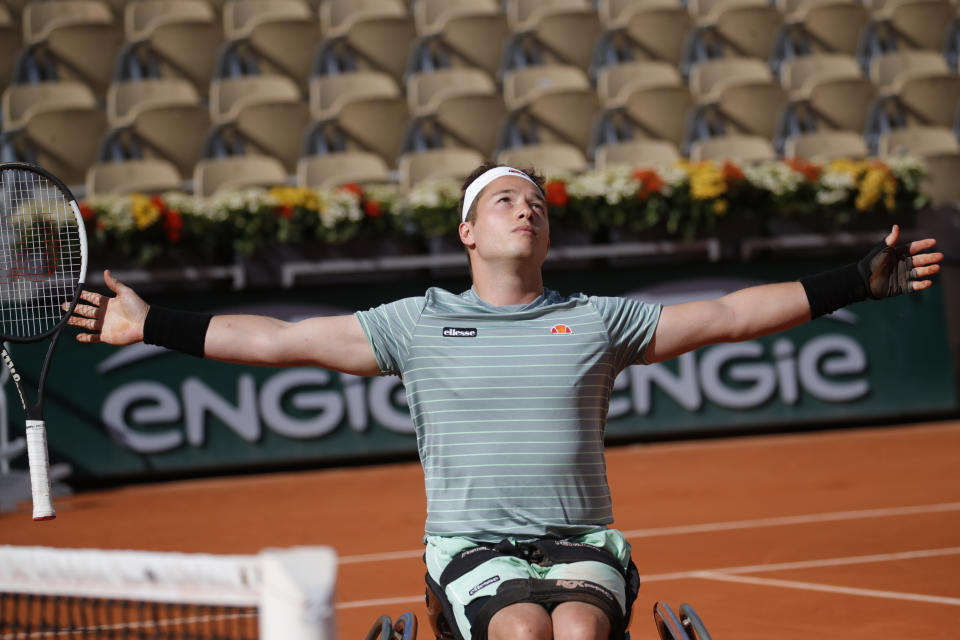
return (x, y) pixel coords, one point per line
(245, 339)
(762, 310)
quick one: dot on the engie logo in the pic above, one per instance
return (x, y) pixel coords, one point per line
(458, 332)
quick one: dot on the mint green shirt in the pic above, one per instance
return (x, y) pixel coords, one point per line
(510, 404)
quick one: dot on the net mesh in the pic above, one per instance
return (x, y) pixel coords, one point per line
(89, 593)
(41, 253)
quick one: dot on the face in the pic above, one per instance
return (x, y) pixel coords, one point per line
(511, 221)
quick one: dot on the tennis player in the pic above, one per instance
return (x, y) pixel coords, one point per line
(508, 385)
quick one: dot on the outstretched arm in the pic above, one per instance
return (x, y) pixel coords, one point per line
(334, 342)
(761, 310)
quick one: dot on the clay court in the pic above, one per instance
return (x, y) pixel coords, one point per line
(833, 534)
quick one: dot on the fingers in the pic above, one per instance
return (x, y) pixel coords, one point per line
(89, 338)
(91, 297)
(925, 259)
(114, 284)
(921, 245)
(893, 236)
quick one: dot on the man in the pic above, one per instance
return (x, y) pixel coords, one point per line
(508, 385)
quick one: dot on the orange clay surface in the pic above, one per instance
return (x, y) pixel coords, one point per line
(844, 534)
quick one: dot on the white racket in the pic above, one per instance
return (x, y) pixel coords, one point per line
(43, 263)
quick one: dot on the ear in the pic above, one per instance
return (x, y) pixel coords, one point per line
(465, 230)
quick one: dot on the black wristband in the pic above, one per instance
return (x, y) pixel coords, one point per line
(831, 290)
(182, 331)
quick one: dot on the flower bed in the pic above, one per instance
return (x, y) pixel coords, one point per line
(685, 200)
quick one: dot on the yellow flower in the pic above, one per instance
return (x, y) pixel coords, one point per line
(706, 181)
(877, 181)
(145, 211)
(853, 168)
(720, 207)
(296, 197)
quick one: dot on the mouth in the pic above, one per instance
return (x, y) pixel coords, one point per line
(527, 230)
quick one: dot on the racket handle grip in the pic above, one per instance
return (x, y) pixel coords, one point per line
(39, 462)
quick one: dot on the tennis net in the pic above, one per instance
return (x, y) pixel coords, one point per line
(95, 593)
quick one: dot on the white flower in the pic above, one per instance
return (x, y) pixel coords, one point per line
(339, 205)
(434, 194)
(835, 186)
(613, 184)
(776, 177)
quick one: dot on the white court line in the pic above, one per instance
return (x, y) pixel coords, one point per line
(729, 574)
(716, 526)
(847, 591)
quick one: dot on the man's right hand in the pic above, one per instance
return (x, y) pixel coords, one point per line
(116, 320)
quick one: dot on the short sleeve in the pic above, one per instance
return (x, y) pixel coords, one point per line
(630, 325)
(390, 329)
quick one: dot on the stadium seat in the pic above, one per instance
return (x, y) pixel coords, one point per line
(884, 69)
(915, 24)
(463, 104)
(266, 110)
(59, 123)
(740, 91)
(929, 97)
(828, 88)
(82, 37)
(745, 29)
(213, 175)
(283, 33)
(941, 184)
(616, 14)
(472, 32)
(566, 29)
(822, 146)
(365, 108)
(830, 25)
(734, 147)
(548, 157)
(918, 140)
(145, 175)
(166, 114)
(636, 153)
(337, 169)
(559, 98)
(375, 34)
(451, 162)
(615, 83)
(10, 41)
(183, 36)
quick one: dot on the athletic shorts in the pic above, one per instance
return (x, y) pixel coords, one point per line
(485, 579)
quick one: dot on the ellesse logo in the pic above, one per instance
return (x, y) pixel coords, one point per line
(459, 332)
(561, 328)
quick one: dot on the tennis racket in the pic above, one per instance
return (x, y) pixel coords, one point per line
(43, 263)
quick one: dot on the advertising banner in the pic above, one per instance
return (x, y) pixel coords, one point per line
(141, 411)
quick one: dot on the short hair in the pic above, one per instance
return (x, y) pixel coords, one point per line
(471, 216)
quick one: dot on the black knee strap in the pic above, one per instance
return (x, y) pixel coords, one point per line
(550, 593)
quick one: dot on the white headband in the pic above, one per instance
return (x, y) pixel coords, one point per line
(485, 178)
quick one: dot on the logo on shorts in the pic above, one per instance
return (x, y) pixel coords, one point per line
(486, 583)
(459, 332)
(561, 328)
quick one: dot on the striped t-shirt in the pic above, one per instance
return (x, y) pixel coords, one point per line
(510, 404)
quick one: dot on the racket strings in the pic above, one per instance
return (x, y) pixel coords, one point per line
(40, 253)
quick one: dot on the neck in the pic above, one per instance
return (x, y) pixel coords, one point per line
(501, 289)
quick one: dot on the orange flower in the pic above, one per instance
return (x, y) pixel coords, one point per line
(809, 170)
(172, 224)
(373, 209)
(87, 212)
(556, 192)
(731, 173)
(650, 182)
(284, 211)
(355, 188)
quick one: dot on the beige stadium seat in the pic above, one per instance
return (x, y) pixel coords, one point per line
(11, 40)
(147, 175)
(184, 34)
(82, 35)
(831, 25)
(636, 153)
(283, 33)
(61, 120)
(464, 103)
(367, 106)
(266, 110)
(918, 140)
(660, 112)
(616, 14)
(746, 28)
(734, 147)
(414, 168)
(710, 8)
(822, 146)
(213, 175)
(743, 90)
(337, 169)
(380, 31)
(885, 68)
(919, 24)
(547, 157)
(941, 183)
(931, 98)
(560, 97)
(832, 85)
(165, 114)
(615, 83)
(566, 29)
(474, 30)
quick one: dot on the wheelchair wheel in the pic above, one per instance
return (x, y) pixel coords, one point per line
(382, 629)
(692, 623)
